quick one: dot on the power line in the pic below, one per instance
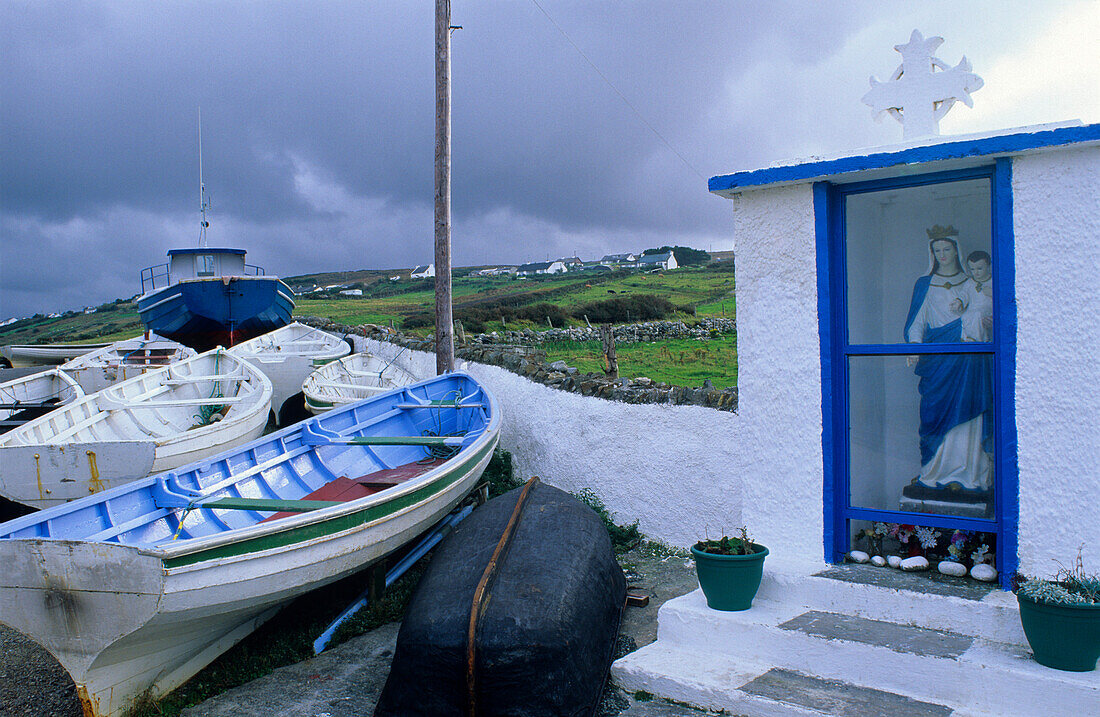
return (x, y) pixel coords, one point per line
(616, 90)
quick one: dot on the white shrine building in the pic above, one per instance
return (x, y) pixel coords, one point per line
(919, 343)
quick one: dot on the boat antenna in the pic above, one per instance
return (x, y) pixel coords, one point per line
(203, 203)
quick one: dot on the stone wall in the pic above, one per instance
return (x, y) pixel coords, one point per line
(517, 352)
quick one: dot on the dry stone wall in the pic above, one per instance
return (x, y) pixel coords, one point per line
(518, 352)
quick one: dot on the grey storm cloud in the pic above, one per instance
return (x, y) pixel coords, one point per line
(318, 125)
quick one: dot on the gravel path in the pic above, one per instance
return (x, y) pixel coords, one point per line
(32, 683)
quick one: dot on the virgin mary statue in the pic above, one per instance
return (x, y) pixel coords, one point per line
(956, 390)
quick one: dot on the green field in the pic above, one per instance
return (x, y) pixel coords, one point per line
(680, 362)
(696, 292)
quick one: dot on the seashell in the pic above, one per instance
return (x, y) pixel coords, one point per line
(858, 556)
(894, 561)
(917, 562)
(950, 567)
(878, 560)
(984, 572)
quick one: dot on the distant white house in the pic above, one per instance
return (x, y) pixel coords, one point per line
(352, 292)
(423, 272)
(619, 259)
(658, 261)
(541, 267)
(90, 309)
(572, 263)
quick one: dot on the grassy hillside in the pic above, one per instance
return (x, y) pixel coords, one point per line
(703, 291)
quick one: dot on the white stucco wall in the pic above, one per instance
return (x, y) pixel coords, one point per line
(1056, 219)
(686, 471)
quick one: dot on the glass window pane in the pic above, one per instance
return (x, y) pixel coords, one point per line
(920, 255)
(920, 433)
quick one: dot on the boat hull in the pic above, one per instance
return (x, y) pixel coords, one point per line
(28, 397)
(219, 311)
(21, 356)
(351, 379)
(545, 631)
(287, 356)
(144, 614)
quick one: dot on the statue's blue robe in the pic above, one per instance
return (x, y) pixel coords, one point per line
(954, 388)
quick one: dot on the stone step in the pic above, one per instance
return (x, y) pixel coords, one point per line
(960, 605)
(925, 664)
(719, 683)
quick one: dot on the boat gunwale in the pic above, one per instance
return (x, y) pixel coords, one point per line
(290, 524)
(289, 293)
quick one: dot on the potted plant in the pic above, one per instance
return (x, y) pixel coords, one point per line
(729, 570)
(1061, 618)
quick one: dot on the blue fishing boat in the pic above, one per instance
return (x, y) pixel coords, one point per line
(206, 297)
(136, 588)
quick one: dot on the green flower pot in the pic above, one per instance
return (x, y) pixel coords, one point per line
(729, 582)
(1065, 637)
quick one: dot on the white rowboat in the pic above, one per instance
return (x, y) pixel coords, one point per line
(287, 356)
(153, 422)
(139, 587)
(350, 379)
(22, 355)
(28, 397)
(123, 360)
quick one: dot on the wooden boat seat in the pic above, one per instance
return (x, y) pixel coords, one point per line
(344, 489)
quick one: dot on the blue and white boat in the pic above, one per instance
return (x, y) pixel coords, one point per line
(207, 297)
(136, 588)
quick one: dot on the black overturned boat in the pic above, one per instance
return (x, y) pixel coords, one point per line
(531, 577)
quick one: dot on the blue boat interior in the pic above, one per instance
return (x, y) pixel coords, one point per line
(431, 419)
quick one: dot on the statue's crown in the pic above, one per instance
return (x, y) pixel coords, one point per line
(938, 232)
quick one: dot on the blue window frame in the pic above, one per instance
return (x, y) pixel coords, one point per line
(837, 352)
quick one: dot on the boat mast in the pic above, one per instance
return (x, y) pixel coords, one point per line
(444, 331)
(203, 224)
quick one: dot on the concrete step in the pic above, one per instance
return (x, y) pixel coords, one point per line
(923, 664)
(962, 606)
(719, 683)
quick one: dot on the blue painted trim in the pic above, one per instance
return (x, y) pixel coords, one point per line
(208, 250)
(822, 213)
(1003, 144)
(829, 209)
(900, 349)
(1006, 467)
(933, 520)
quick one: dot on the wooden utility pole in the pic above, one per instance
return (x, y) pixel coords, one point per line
(444, 332)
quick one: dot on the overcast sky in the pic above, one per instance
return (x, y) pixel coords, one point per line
(318, 122)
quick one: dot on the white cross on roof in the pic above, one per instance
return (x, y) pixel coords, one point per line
(918, 96)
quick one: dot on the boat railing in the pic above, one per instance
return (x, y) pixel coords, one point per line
(253, 270)
(154, 275)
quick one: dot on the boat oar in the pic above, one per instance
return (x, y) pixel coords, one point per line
(427, 543)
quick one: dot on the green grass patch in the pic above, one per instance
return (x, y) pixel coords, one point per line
(623, 537)
(680, 362)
